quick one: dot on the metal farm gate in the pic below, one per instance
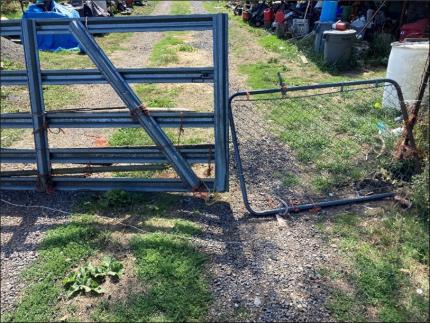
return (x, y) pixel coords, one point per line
(181, 158)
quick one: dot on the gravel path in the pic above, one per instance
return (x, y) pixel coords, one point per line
(263, 270)
(22, 228)
(11, 51)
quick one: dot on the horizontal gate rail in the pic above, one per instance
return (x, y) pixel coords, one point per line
(164, 154)
(109, 120)
(64, 183)
(115, 25)
(131, 75)
(88, 170)
(149, 154)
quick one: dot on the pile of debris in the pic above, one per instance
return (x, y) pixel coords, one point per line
(401, 19)
(375, 24)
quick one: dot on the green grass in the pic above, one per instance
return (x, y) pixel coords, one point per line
(11, 9)
(290, 180)
(215, 6)
(388, 258)
(59, 96)
(170, 270)
(62, 248)
(144, 10)
(174, 270)
(156, 96)
(10, 101)
(331, 133)
(180, 8)
(165, 52)
(138, 137)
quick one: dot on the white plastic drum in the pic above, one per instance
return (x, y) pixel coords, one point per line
(406, 66)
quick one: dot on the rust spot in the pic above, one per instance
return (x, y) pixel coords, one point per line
(101, 142)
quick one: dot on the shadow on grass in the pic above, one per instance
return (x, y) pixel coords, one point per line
(159, 228)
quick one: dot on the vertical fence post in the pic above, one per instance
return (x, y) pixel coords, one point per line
(29, 40)
(220, 58)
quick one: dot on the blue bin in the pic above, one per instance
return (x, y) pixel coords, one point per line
(328, 12)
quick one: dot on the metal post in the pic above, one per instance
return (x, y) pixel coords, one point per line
(221, 85)
(132, 101)
(29, 40)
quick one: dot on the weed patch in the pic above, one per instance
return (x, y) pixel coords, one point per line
(89, 278)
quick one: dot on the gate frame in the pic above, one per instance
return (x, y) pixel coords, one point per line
(35, 78)
(284, 208)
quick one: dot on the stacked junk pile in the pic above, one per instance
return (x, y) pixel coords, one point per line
(80, 8)
(49, 9)
(339, 27)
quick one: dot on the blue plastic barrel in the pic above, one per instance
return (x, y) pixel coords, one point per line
(328, 12)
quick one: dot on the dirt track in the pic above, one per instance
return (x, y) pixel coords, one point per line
(260, 269)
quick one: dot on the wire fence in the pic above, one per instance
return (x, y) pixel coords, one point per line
(325, 142)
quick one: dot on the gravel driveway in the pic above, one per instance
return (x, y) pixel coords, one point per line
(265, 270)
(261, 269)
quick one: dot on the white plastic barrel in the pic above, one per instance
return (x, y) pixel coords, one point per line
(406, 66)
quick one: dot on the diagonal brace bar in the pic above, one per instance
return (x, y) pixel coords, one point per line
(35, 90)
(131, 100)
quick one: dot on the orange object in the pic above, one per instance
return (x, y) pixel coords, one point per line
(101, 142)
(341, 26)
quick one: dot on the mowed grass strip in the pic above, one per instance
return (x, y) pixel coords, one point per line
(166, 51)
(180, 8)
(169, 268)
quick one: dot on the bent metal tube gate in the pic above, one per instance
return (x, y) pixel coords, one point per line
(180, 158)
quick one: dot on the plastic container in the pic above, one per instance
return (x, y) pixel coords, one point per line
(268, 15)
(338, 46)
(340, 26)
(406, 66)
(300, 27)
(414, 30)
(268, 18)
(245, 15)
(320, 27)
(279, 16)
(328, 12)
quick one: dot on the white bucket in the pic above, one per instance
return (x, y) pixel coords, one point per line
(406, 66)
